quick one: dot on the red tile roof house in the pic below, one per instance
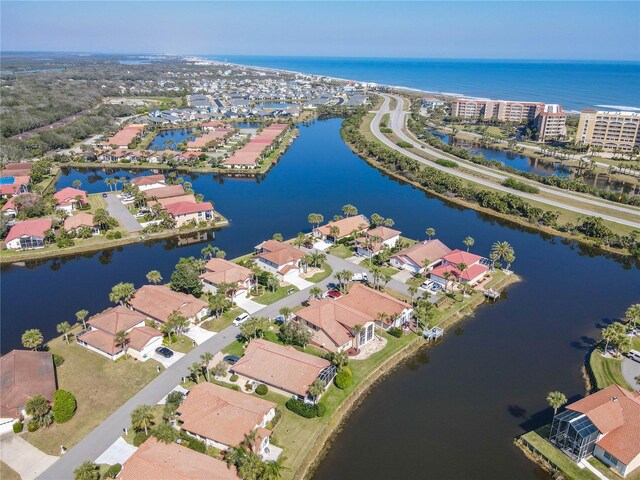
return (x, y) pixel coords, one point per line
(183, 212)
(19, 185)
(375, 240)
(148, 182)
(258, 147)
(218, 270)
(124, 137)
(372, 302)
(164, 192)
(157, 302)
(279, 258)
(333, 325)
(28, 235)
(18, 169)
(68, 199)
(420, 257)
(477, 268)
(283, 368)
(100, 337)
(81, 220)
(10, 208)
(221, 418)
(23, 375)
(346, 227)
(606, 425)
(155, 460)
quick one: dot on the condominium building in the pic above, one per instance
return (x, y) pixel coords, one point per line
(501, 110)
(551, 123)
(609, 130)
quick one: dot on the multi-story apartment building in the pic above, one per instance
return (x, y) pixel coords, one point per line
(551, 123)
(501, 110)
(609, 130)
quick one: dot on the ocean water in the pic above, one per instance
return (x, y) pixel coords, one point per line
(575, 85)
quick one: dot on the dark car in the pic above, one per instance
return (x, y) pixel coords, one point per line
(104, 195)
(164, 351)
(231, 359)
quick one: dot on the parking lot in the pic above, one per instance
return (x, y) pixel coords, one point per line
(119, 211)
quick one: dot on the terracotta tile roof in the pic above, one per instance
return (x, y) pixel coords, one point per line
(616, 414)
(334, 318)
(385, 233)
(186, 208)
(346, 225)
(29, 228)
(103, 341)
(222, 414)
(418, 253)
(224, 271)
(68, 195)
(81, 219)
(158, 302)
(148, 179)
(469, 273)
(371, 302)
(460, 256)
(250, 153)
(126, 135)
(206, 138)
(182, 198)
(9, 205)
(139, 337)
(20, 169)
(282, 367)
(115, 319)
(155, 460)
(165, 192)
(280, 253)
(24, 374)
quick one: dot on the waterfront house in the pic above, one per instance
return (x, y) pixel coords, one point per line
(219, 270)
(335, 326)
(346, 227)
(476, 267)
(155, 460)
(184, 212)
(28, 234)
(376, 239)
(11, 186)
(79, 221)
(373, 302)
(258, 147)
(100, 336)
(148, 182)
(221, 417)
(279, 258)
(163, 202)
(283, 368)
(420, 257)
(125, 136)
(606, 425)
(164, 192)
(68, 199)
(157, 302)
(23, 375)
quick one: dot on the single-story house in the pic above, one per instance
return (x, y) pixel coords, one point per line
(336, 327)
(23, 375)
(420, 257)
(155, 460)
(345, 228)
(28, 234)
(606, 425)
(476, 268)
(9, 208)
(11, 186)
(148, 182)
(81, 220)
(157, 302)
(221, 417)
(183, 212)
(283, 368)
(125, 136)
(373, 302)
(103, 327)
(17, 169)
(376, 239)
(219, 270)
(164, 192)
(68, 199)
(279, 258)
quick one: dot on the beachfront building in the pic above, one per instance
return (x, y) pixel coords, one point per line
(551, 123)
(185, 212)
(606, 425)
(375, 240)
(431, 103)
(460, 266)
(279, 258)
(28, 234)
(220, 271)
(611, 131)
(222, 417)
(500, 110)
(68, 199)
(420, 257)
(157, 302)
(339, 229)
(283, 368)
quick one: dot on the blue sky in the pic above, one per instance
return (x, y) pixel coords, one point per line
(606, 30)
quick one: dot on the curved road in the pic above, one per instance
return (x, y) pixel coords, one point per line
(397, 122)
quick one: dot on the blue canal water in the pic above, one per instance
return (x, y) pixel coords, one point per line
(576, 85)
(177, 135)
(485, 383)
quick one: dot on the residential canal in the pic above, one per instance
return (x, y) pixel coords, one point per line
(449, 412)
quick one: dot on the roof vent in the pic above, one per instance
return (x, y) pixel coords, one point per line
(614, 399)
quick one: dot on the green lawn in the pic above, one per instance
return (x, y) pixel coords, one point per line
(341, 251)
(7, 473)
(181, 344)
(318, 277)
(225, 320)
(269, 297)
(607, 371)
(385, 269)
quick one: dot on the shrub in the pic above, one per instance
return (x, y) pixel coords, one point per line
(344, 378)
(140, 438)
(321, 409)
(248, 387)
(521, 186)
(403, 144)
(58, 359)
(395, 331)
(234, 378)
(112, 471)
(32, 426)
(195, 444)
(64, 406)
(18, 427)
(262, 389)
(446, 163)
(300, 408)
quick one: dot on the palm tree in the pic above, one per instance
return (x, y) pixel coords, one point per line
(142, 418)
(250, 438)
(430, 232)
(122, 292)
(121, 339)
(285, 312)
(633, 314)
(273, 470)
(447, 276)
(251, 467)
(468, 242)
(236, 455)
(412, 291)
(316, 389)
(556, 400)
(87, 471)
(196, 369)
(334, 232)
(206, 358)
(64, 328)
(81, 316)
(349, 210)
(154, 277)
(501, 251)
(315, 219)
(165, 433)
(32, 338)
(315, 291)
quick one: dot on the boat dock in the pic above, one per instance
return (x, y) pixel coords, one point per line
(492, 294)
(433, 333)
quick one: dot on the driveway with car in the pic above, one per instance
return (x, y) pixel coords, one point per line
(167, 362)
(116, 209)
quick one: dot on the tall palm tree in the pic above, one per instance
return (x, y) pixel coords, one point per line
(142, 418)
(64, 328)
(430, 232)
(468, 242)
(633, 314)
(121, 339)
(273, 470)
(32, 339)
(154, 277)
(81, 316)
(250, 439)
(206, 358)
(196, 369)
(316, 389)
(315, 291)
(285, 312)
(412, 291)
(556, 400)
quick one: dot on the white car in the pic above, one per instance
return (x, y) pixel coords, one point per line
(634, 355)
(240, 319)
(360, 277)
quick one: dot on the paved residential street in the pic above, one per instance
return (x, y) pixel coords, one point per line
(117, 210)
(631, 371)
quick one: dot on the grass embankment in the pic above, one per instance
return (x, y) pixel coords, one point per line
(7, 473)
(608, 370)
(100, 386)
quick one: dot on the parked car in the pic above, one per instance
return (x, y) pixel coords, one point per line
(435, 287)
(290, 291)
(360, 277)
(240, 319)
(165, 352)
(279, 319)
(231, 359)
(104, 195)
(334, 294)
(634, 355)
(426, 285)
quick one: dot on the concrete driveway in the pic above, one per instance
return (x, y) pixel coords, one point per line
(199, 334)
(118, 452)
(167, 362)
(247, 305)
(117, 210)
(297, 281)
(630, 370)
(403, 276)
(24, 458)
